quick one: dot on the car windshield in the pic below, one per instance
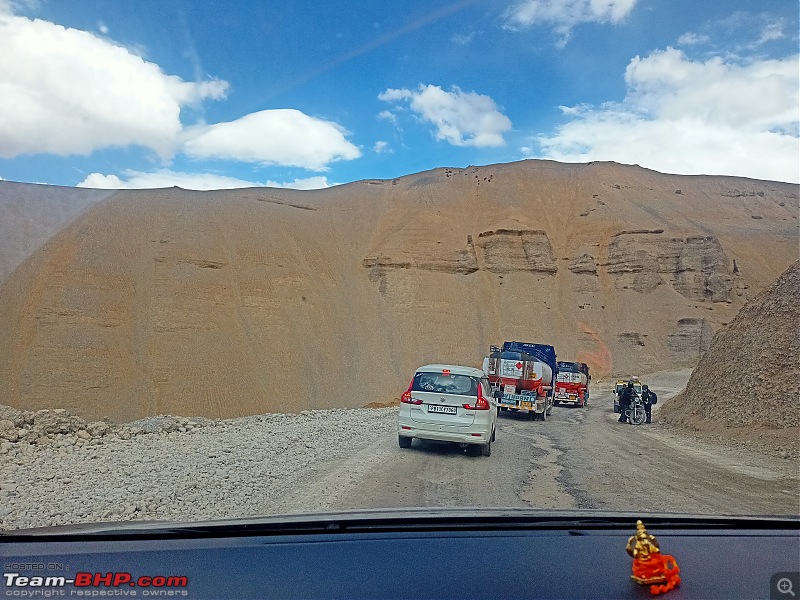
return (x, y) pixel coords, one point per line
(231, 233)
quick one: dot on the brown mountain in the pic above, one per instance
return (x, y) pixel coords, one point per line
(750, 377)
(31, 214)
(247, 301)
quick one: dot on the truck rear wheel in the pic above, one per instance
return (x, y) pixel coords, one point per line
(405, 442)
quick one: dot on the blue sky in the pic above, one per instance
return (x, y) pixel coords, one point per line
(208, 94)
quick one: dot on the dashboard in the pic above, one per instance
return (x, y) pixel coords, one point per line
(414, 553)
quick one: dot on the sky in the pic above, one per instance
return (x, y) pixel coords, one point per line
(305, 94)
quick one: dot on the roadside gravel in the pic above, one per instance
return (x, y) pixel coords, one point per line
(170, 468)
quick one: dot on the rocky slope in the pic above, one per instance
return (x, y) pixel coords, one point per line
(243, 302)
(747, 385)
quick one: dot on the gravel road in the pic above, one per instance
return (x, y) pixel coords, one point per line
(345, 459)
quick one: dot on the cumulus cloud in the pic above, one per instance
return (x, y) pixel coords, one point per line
(65, 91)
(692, 117)
(165, 178)
(277, 137)
(381, 146)
(462, 119)
(563, 15)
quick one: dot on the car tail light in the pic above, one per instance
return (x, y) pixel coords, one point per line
(406, 398)
(480, 402)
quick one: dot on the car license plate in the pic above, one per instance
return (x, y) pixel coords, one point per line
(445, 410)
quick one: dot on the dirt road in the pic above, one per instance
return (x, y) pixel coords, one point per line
(578, 458)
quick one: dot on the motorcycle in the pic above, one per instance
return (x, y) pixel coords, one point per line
(636, 413)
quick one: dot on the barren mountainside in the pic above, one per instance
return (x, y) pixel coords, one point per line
(240, 302)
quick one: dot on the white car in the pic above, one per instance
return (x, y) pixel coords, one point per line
(449, 403)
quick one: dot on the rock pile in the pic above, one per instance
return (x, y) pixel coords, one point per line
(56, 469)
(747, 386)
(58, 428)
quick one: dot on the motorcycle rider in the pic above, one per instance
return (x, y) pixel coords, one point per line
(625, 399)
(649, 398)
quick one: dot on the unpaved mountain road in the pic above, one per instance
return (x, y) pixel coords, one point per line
(346, 459)
(578, 458)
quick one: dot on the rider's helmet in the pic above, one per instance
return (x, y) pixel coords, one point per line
(630, 384)
(644, 387)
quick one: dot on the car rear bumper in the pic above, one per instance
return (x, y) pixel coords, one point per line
(443, 433)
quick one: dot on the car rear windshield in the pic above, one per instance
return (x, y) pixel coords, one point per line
(441, 383)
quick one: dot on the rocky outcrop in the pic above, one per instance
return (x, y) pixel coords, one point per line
(583, 265)
(696, 267)
(503, 251)
(631, 339)
(508, 250)
(689, 340)
(424, 257)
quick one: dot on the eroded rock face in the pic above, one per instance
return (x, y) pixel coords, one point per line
(425, 257)
(690, 339)
(507, 250)
(503, 251)
(583, 265)
(697, 266)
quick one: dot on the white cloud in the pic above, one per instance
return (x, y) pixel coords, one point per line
(165, 178)
(566, 14)
(463, 39)
(309, 183)
(391, 95)
(462, 119)
(282, 137)
(772, 31)
(381, 146)
(65, 91)
(690, 39)
(684, 116)
(387, 116)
